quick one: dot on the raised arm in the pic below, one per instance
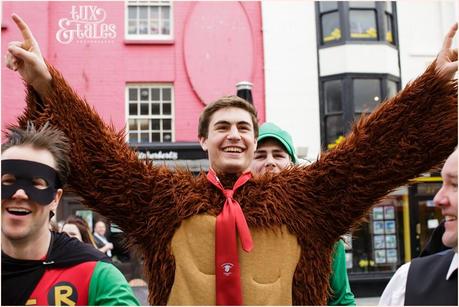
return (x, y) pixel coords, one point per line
(403, 137)
(104, 170)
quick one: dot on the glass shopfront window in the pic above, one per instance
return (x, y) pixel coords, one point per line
(378, 245)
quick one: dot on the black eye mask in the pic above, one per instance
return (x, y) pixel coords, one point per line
(25, 172)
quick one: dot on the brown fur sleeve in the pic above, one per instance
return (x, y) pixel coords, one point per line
(104, 170)
(403, 137)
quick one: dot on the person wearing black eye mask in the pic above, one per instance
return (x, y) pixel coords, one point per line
(41, 267)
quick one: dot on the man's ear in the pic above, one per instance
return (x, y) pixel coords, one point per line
(203, 142)
(57, 198)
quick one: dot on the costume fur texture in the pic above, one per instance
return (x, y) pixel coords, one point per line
(403, 137)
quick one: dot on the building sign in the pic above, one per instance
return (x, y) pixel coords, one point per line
(158, 155)
(86, 23)
(181, 154)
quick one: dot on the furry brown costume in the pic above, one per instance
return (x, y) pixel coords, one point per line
(403, 137)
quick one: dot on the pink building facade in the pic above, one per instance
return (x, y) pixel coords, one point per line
(149, 65)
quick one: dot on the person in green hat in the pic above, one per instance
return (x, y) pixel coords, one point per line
(275, 152)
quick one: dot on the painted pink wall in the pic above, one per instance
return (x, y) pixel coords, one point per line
(223, 46)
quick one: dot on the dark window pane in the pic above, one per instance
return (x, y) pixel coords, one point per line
(155, 137)
(330, 27)
(133, 94)
(132, 124)
(143, 27)
(166, 29)
(362, 4)
(133, 109)
(334, 128)
(144, 109)
(167, 137)
(143, 123)
(165, 12)
(154, 26)
(132, 12)
(144, 138)
(155, 94)
(367, 94)
(144, 94)
(133, 138)
(166, 108)
(391, 89)
(166, 94)
(155, 124)
(388, 23)
(155, 108)
(333, 96)
(167, 124)
(132, 27)
(143, 12)
(328, 6)
(154, 12)
(363, 24)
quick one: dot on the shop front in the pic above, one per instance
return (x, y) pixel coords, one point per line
(397, 229)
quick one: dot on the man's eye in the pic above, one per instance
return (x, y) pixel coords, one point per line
(39, 183)
(8, 179)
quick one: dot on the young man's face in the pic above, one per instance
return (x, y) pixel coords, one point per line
(446, 199)
(22, 218)
(270, 156)
(231, 141)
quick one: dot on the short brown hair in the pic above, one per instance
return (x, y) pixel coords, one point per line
(222, 103)
(45, 137)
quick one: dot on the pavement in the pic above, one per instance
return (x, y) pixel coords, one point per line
(367, 301)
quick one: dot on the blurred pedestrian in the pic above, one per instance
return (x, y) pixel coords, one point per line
(102, 243)
(77, 227)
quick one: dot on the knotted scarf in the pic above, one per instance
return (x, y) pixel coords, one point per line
(227, 269)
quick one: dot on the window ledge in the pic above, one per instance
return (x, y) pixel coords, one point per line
(129, 41)
(358, 42)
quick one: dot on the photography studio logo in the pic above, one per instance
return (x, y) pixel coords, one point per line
(86, 24)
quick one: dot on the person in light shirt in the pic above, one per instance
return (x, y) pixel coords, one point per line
(432, 280)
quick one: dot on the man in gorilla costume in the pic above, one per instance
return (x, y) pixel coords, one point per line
(287, 224)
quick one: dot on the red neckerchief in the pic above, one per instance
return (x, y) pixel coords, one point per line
(227, 270)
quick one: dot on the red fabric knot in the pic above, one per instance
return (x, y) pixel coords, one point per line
(228, 193)
(230, 220)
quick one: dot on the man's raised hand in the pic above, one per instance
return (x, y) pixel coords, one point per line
(25, 58)
(447, 57)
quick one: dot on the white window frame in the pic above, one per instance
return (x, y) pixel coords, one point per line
(149, 117)
(149, 37)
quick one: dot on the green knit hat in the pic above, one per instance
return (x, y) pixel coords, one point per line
(270, 130)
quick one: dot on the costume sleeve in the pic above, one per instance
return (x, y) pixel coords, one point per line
(339, 282)
(105, 172)
(405, 136)
(394, 293)
(108, 287)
